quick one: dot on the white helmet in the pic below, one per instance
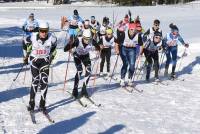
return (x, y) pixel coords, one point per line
(87, 33)
(44, 25)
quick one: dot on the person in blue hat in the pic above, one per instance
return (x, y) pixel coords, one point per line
(74, 21)
(172, 40)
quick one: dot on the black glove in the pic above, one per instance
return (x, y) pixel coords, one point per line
(25, 59)
(186, 45)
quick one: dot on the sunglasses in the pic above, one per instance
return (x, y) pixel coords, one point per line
(43, 31)
(156, 25)
(86, 38)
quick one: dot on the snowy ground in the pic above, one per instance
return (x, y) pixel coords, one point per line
(172, 109)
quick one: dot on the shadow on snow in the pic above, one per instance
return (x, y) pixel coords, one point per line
(67, 126)
(13, 94)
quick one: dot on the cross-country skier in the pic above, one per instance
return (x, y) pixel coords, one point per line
(30, 25)
(171, 45)
(128, 52)
(149, 34)
(74, 22)
(107, 42)
(81, 55)
(151, 53)
(41, 49)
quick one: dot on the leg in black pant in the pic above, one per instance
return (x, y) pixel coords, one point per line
(156, 63)
(34, 85)
(87, 63)
(108, 55)
(79, 68)
(44, 73)
(148, 56)
(103, 56)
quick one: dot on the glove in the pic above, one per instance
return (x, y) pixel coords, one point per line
(186, 45)
(25, 59)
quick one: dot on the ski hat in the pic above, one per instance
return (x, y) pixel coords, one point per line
(106, 20)
(156, 21)
(44, 26)
(109, 31)
(31, 15)
(157, 33)
(92, 17)
(173, 27)
(76, 12)
(132, 26)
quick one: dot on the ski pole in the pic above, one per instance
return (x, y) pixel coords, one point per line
(51, 73)
(69, 57)
(114, 69)
(137, 65)
(181, 59)
(96, 70)
(161, 61)
(141, 69)
(66, 72)
(25, 75)
(18, 73)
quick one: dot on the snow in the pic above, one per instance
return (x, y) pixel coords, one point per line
(158, 110)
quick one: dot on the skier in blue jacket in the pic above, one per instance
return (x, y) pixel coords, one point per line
(172, 40)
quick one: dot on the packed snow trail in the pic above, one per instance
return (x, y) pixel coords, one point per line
(160, 109)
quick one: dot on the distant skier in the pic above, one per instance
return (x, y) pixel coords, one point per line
(107, 42)
(150, 50)
(128, 52)
(123, 24)
(95, 26)
(171, 45)
(81, 55)
(30, 25)
(41, 49)
(74, 22)
(105, 25)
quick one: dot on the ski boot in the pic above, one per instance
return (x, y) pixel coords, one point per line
(173, 76)
(75, 93)
(84, 92)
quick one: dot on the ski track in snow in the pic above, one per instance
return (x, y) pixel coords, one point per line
(172, 109)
